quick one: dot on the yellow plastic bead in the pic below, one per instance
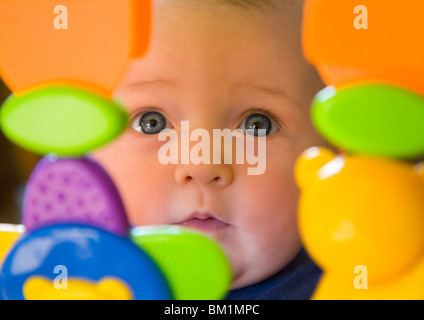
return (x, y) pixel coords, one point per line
(38, 288)
(9, 233)
(361, 211)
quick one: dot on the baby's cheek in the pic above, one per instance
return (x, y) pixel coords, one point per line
(144, 192)
(274, 207)
(273, 202)
(137, 175)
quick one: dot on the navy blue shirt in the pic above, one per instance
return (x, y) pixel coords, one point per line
(296, 281)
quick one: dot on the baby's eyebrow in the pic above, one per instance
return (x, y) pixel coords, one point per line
(273, 91)
(269, 90)
(150, 83)
(263, 88)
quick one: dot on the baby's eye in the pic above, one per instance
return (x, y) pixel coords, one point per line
(149, 123)
(257, 121)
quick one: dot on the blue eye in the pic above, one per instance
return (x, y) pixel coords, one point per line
(149, 123)
(258, 121)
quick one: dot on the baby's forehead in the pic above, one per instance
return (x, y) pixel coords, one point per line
(189, 45)
(250, 3)
(287, 6)
(245, 3)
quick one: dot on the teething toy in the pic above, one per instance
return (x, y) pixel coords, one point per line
(64, 120)
(61, 90)
(86, 44)
(384, 48)
(379, 224)
(62, 73)
(89, 254)
(364, 210)
(9, 233)
(373, 119)
(75, 191)
(194, 265)
(107, 288)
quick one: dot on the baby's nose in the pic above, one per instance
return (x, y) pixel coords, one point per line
(217, 174)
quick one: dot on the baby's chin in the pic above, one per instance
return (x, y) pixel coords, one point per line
(245, 277)
(261, 266)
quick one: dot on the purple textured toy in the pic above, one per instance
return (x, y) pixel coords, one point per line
(73, 190)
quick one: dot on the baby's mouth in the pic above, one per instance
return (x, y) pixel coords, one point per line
(204, 222)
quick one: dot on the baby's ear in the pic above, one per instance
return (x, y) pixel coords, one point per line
(308, 164)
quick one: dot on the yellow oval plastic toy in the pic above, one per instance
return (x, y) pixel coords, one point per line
(85, 43)
(408, 286)
(9, 233)
(360, 211)
(370, 40)
(108, 288)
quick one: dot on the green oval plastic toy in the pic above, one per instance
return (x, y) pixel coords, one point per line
(194, 265)
(373, 119)
(63, 120)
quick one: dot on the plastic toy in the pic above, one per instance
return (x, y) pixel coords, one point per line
(62, 120)
(9, 233)
(191, 262)
(89, 254)
(378, 224)
(387, 51)
(106, 289)
(364, 210)
(75, 191)
(365, 119)
(86, 44)
(74, 217)
(62, 74)
(166, 262)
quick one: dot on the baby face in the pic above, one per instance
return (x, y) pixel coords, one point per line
(219, 67)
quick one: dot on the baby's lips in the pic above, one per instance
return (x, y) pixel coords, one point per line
(389, 50)
(88, 42)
